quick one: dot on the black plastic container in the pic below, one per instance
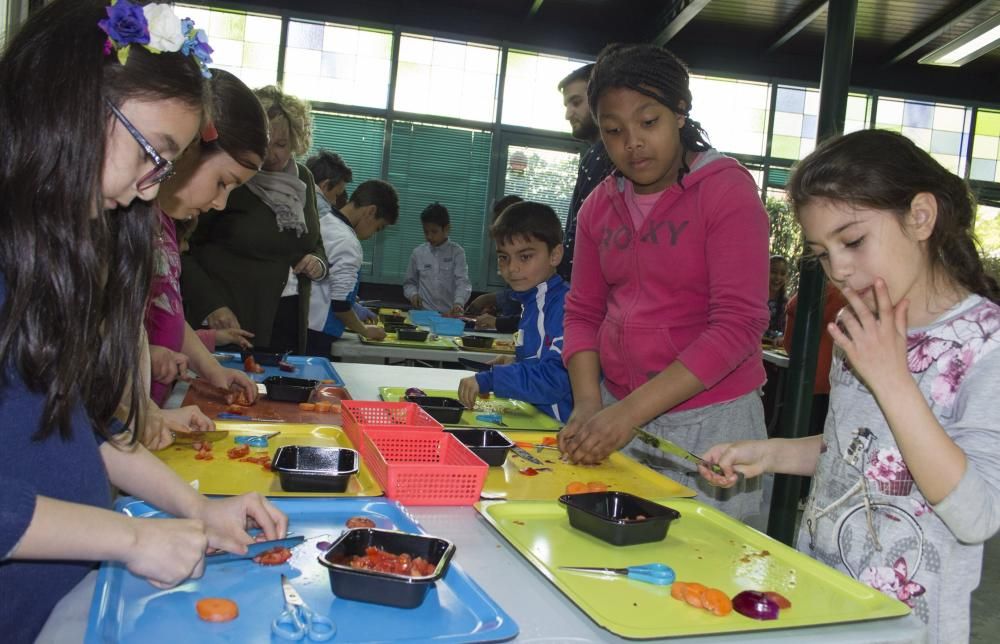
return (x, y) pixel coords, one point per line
(289, 389)
(614, 517)
(488, 444)
(446, 411)
(315, 469)
(477, 341)
(417, 335)
(388, 318)
(381, 587)
(393, 327)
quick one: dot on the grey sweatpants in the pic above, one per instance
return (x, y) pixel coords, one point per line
(698, 429)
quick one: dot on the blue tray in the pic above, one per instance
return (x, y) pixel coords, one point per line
(311, 367)
(128, 609)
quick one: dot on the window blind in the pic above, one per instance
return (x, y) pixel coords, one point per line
(358, 140)
(429, 163)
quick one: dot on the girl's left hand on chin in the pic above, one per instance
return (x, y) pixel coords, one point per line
(226, 521)
(603, 434)
(875, 345)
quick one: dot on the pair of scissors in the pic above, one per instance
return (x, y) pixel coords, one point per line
(496, 419)
(298, 621)
(651, 573)
(259, 440)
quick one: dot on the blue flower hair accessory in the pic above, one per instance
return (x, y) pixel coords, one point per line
(155, 27)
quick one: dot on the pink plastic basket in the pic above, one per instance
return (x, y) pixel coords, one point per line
(360, 416)
(424, 468)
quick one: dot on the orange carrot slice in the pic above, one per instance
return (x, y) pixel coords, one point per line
(716, 602)
(217, 609)
(307, 406)
(677, 590)
(692, 594)
(576, 487)
(323, 407)
(596, 486)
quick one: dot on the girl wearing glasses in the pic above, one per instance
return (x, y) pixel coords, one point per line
(75, 258)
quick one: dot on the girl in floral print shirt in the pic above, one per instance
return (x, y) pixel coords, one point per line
(908, 467)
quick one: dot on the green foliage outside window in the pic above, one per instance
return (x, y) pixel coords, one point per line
(786, 237)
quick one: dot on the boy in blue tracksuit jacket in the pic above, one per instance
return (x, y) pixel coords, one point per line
(528, 237)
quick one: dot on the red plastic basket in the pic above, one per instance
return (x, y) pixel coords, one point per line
(424, 468)
(360, 416)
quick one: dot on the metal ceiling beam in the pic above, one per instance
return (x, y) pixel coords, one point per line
(678, 17)
(799, 22)
(535, 6)
(931, 31)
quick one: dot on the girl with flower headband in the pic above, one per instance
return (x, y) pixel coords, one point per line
(907, 473)
(231, 151)
(83, 136)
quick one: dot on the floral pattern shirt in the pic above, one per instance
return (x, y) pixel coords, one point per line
(165, 312)
(866, 517)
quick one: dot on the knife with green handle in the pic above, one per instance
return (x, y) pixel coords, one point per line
(664, 445)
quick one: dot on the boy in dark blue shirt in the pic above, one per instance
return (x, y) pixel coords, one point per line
(528, 236)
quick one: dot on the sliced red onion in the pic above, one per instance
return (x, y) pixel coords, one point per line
(755, 605)
(415, 391)
(324, 545)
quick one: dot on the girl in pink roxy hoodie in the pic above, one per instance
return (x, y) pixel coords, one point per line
(668, 300)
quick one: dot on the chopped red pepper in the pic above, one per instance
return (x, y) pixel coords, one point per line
(529, 471)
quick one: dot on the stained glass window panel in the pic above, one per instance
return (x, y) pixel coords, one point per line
(734, 113)
(243, 43)
(985, 146)
(531, 97)
(447, 78)
(940, 129)
(338, 63)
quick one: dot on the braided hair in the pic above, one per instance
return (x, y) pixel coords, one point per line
(653, 72)
(883, 170)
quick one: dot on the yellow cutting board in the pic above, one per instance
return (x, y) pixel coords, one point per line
(619, 472)
(703, 545)
(391, 340)
(223, 475)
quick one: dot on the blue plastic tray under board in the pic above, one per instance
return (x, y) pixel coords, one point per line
(128, 609)
(311, 367)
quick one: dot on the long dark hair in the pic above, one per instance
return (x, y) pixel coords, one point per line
(883, 170)
(77, 277)
(656, 73)
(238, 119)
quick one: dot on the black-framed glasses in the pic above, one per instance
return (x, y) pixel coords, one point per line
(162, 170)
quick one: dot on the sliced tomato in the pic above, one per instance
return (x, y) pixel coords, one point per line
(360, 522)
(529, 471)
(238, 452)
(273, 557)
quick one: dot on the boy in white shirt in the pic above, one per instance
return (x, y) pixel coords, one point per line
(373, 206)
(438, 275)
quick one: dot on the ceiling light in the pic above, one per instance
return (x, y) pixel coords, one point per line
(967, 47)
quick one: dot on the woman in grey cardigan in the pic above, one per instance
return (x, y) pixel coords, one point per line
(251, 265)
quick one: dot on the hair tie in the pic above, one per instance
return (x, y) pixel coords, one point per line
(209, 133)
